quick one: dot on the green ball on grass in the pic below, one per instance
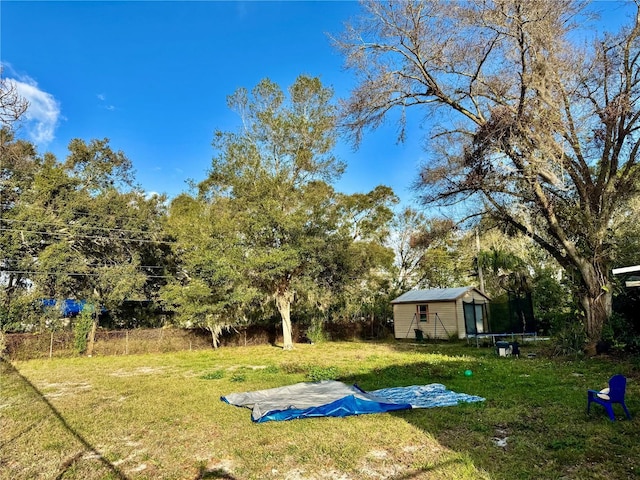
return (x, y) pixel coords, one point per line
(468, 373)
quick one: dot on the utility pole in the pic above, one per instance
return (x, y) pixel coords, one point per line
(480, 277)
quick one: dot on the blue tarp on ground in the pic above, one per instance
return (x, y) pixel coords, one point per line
(331, 398)
(426, 396)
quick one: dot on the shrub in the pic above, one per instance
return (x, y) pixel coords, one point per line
(570, 340)
(618, 333)
(316, 374)
(81, 329)
(316, 333)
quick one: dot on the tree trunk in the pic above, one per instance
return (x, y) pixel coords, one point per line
(216, 331)
(92, 335)
(596, 302)
(283, 303)
(597, 309)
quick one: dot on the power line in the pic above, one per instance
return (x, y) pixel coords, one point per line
(8, 206)
(89, 227)
(93, 265)
(92, 237)
(74, 274)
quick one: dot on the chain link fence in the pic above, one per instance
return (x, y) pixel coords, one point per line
(56, 344)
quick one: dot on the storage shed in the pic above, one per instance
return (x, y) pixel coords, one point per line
(440, 313)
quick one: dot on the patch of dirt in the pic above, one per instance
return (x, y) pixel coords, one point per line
(58, 390)
(91, 456)
(411, 448)
(138, 371)
(295, 474)
(131, 443)
(334, 475)
(381, 464)
(378, 454)
(117, 463)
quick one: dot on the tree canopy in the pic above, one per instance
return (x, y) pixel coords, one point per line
(529, 125)
(71, 230)
(268, 198)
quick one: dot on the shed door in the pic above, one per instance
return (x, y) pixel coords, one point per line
(473, 317)
(479, 311)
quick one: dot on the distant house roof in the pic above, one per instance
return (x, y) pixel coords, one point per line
(435, 295)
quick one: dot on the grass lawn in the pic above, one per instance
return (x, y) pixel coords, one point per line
(160, 417)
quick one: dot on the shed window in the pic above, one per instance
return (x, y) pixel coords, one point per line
(423, 313)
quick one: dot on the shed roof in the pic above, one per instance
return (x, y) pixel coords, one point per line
(435, 295)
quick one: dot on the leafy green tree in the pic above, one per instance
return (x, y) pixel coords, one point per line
(530, 126)
(272, 174)
(210, 289)
(366, 217)
(114, 227)
(18, 164)
(518, 267)
(357, 263)
(510, 271)
(80, 229)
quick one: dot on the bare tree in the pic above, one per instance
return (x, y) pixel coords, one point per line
(429, 252)
(531, 123)
(12, 105)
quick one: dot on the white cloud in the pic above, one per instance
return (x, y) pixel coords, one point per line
(103, 102)
(41, 118)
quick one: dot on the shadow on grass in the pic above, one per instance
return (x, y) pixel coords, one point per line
(219, 473)
(530, 404)
(8, 369)
(439, 422)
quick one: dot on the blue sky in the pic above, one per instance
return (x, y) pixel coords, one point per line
(153, 77)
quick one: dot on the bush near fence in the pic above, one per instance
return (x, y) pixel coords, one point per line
(24, 346)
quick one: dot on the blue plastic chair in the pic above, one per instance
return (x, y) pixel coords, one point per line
(617, 388)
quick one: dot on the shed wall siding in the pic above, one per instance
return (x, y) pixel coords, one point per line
(405, 324)
(402, 318)
(449, 320)
(445, 323)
